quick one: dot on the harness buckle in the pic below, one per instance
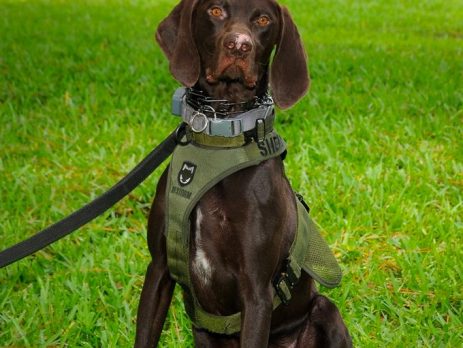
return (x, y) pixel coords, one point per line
(303, 202)
(282, 290)
(285, 282)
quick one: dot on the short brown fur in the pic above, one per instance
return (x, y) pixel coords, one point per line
(254, 209)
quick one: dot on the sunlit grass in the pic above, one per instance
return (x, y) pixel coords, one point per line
(376, 147)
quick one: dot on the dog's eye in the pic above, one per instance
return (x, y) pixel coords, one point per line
(263, 21)
(217, 12)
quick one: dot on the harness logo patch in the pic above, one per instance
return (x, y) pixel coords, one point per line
(186, 173)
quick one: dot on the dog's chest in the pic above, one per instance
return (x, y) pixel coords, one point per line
(215, 256)
(202, 265)
(214, 245)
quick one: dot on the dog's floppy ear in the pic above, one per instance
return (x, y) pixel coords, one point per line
(289, 76)
(175, 37)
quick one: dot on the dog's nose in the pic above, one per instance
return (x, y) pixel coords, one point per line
(238, 44)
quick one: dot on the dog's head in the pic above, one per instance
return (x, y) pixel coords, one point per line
(225, 46)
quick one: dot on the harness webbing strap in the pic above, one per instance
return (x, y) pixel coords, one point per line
(216, 141)
(226, 324)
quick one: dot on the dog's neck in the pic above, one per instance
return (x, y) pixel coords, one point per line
(238, 96)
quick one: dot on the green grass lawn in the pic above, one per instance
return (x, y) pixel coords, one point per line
(376, 148)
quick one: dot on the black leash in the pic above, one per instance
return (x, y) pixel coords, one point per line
(97, 207)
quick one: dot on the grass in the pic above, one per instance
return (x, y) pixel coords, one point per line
(376, 148)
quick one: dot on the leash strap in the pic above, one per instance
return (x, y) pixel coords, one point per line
(95, 208)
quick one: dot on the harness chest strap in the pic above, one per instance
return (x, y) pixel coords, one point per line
(192, 172)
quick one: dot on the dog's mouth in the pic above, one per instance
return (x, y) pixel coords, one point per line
(232, 70)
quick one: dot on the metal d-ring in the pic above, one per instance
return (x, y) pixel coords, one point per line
(203, 119)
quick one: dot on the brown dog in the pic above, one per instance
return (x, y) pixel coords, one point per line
(242, 228)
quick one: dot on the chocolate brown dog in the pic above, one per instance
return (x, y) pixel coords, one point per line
(242, 228)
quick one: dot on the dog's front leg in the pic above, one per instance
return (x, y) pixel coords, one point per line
(256, 316)
(154, 304)
(159, 286)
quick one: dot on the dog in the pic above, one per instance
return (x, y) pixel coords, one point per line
(243, 227)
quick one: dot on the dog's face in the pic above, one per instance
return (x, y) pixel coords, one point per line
(224, 47)
(236, 42)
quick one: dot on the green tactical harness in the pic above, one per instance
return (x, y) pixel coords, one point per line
(193, 171)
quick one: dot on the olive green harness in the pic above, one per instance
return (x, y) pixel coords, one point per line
(193, 171)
